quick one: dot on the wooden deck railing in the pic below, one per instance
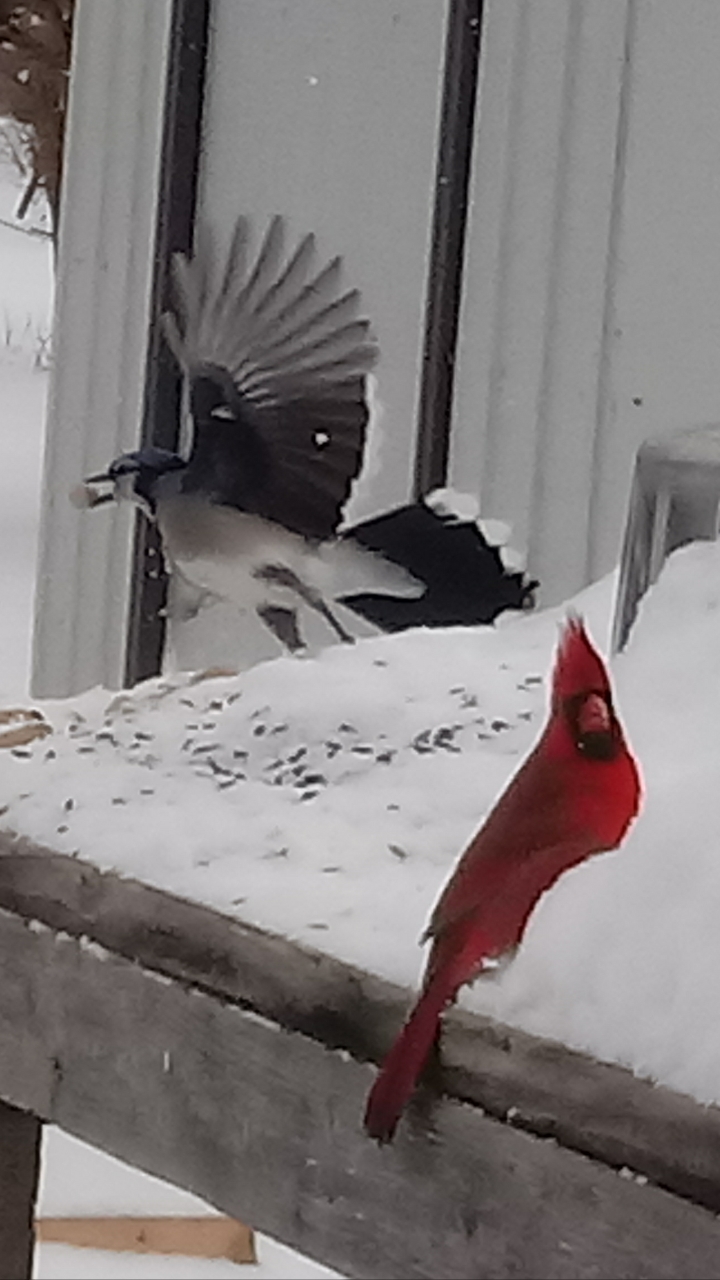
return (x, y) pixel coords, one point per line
(235, 1064)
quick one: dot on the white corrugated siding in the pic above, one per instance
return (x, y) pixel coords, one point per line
(591, 316)
(100, 336)
(545, 191)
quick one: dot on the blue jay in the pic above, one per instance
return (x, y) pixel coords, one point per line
(275, 360)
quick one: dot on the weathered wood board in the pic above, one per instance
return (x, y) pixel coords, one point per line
(264, 1122)
(597, 1108)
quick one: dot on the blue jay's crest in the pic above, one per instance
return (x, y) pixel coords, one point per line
(151, 459)
(275, 357)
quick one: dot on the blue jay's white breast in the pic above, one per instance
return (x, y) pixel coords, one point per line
(220, 550)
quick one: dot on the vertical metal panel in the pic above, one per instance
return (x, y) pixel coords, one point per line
(662, 371)
(103, 297)
(448, 243)
(175, 220)
(583, 258)
(532, 326)
(328, 111)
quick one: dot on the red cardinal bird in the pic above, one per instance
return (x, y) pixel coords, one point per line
(575, 795)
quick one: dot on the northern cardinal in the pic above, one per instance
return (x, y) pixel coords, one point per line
(575, 795)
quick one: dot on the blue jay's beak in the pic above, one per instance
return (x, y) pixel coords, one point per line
(84, 496)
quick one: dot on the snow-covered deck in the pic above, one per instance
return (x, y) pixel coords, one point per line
(209, 889)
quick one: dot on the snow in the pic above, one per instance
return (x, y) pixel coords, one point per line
(302, 793)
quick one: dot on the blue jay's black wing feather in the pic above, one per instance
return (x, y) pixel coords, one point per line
(464, 575)
(281, 345)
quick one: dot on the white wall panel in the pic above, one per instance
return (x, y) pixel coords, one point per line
(663, 361)
(100, 336)
(544, 193)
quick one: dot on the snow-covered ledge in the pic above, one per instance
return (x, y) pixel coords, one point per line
(107, 234)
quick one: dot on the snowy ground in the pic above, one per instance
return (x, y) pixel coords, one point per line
(76, 1180)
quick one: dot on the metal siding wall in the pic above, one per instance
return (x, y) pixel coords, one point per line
(534, 311)
(327, 111)
(663, 362)
(106, 252)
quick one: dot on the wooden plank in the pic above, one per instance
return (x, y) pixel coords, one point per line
(19, 1168)
(188, 1237)
(596, 1108)
(265, 1124)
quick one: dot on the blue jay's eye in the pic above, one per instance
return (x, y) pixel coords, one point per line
(222, 411)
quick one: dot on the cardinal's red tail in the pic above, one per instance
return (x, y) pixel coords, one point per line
(402, 1067)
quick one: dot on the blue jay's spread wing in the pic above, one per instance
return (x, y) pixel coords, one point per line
(275, 354)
